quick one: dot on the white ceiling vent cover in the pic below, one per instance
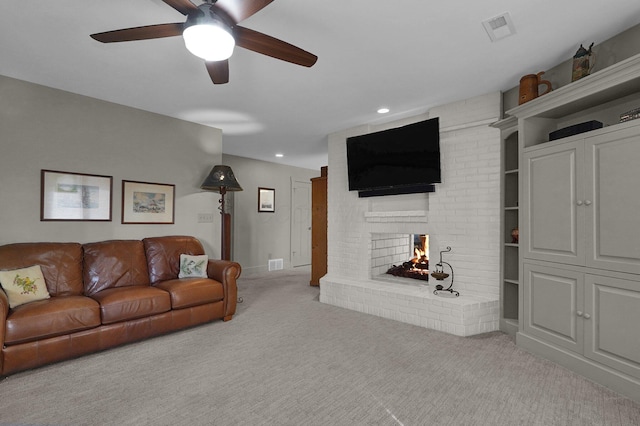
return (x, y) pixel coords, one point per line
(499, 27)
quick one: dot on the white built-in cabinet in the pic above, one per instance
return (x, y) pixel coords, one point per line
(578, 211)
(582, 200)
(592, 315)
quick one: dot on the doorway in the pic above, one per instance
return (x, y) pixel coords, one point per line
(300, 223)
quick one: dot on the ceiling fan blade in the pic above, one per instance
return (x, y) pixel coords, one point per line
(183, 6)
(218, 71)
(267, 45)
(140, 33)
(240, 10)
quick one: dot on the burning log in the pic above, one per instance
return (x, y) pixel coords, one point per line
(408, 270)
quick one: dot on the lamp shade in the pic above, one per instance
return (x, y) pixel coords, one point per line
(221, 177)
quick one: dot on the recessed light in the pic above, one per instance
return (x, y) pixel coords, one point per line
(383, 110)
(279, 155)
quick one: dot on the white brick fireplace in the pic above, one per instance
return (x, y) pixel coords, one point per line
(463, 213)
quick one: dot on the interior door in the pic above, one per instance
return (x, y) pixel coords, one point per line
(301, 223)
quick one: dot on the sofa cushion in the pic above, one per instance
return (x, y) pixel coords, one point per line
(24, 285)
(163, 255)
(187, 292)
(193, 266)
(112, 264)
(61, 264)
(51, 317)
(126, 303)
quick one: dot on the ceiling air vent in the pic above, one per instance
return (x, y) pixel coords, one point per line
(499, 27)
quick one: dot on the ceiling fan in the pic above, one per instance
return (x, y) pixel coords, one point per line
(211, 31)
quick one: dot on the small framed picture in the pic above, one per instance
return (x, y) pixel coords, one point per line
(75, 196)
(148, 203)
(266, 200)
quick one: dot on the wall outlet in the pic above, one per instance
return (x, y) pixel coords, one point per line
(205, 217)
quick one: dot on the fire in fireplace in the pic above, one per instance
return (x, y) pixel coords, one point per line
(418, 266)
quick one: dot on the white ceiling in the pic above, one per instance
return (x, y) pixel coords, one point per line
(408, 55)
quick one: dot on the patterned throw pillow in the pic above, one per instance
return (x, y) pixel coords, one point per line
(24, 285)
(193, 266)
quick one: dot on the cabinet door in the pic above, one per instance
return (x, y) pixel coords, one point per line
(552, 215)
(612, 318)
(553, 303)
(612, 200)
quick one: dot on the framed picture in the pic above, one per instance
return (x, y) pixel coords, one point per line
(144, 202)
(266, 200)
(75, 196)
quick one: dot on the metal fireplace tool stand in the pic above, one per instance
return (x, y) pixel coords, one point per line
(440, 275)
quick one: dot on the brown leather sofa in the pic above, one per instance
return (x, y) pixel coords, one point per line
(108, 293)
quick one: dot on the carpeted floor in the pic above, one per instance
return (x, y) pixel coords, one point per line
(287, 359)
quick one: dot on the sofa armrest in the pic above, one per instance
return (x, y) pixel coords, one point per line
(4, 311)
(226, 272)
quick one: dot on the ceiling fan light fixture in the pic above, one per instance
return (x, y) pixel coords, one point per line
(207, 35)
(209, 41)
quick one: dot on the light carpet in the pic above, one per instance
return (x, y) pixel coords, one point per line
(287, 359)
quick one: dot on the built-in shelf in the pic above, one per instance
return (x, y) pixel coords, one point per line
(602, 96)
(509, 288)
(612, 83)
(509, 325)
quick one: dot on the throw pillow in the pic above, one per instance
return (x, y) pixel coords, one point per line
(193, 266)
(24, 285)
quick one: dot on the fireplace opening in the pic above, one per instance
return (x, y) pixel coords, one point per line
(417, 267)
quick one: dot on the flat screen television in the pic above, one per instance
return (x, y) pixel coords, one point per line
(401, 160)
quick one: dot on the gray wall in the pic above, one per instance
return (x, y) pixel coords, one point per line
(45, 128)
(258, 237)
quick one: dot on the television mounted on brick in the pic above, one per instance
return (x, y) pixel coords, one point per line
(402, 160)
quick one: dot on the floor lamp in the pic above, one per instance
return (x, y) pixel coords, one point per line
(222, 179)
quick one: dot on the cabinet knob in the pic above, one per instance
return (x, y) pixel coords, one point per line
(579, 313)
(587, 316)
(579, 202)
(587, 202)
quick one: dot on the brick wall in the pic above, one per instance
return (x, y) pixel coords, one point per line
(463, 213)
(388, 250)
